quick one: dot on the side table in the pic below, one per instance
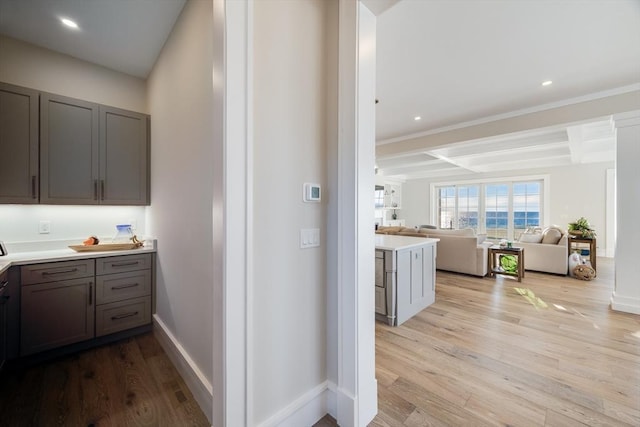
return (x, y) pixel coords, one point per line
(494, 264)
(572, 240)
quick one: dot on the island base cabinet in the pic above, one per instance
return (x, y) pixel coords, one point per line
(122, 315)
(405, 281)
(415, 281)
(56, 314)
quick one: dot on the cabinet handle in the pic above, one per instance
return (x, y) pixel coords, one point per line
(95, 189)
(3, 284)
(102, 189)
(131, 285)
(33, 187)
(124, 316)
(90, 293)
(51, 273)
(123, 264)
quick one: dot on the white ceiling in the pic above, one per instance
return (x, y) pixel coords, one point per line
(449, 61)
(124, 35)
(452, 62)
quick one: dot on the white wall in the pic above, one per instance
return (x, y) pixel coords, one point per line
(180, 215)
(27, 65)
(19, 223)
(290, 148)
(578, 190)
(24, 64)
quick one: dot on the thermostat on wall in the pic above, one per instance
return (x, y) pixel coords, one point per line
(311, 192)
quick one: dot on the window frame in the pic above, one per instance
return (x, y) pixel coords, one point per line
(545, 206)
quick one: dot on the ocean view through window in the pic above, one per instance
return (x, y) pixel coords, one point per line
(502, 210)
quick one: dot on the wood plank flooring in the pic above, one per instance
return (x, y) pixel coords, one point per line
(128, 383)
(485, 355)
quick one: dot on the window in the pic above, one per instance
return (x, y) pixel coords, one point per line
(496, 202)
(379, 196)
(502, 210)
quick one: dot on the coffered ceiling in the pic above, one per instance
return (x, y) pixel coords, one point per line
(557, 146)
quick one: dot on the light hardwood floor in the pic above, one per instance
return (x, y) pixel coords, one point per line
(128, 383)
(483, 354)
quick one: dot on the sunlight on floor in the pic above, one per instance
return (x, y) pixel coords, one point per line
(531, 297)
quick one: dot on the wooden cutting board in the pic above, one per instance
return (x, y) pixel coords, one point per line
(106, 247)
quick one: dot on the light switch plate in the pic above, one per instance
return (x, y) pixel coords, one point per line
(44, 227)
(309, 238)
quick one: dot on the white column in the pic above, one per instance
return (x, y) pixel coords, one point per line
(356, 388)
(232, 122)
(626, 296)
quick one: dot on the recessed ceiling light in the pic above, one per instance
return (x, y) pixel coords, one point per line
(69, 23)
(546, 82)
(416, 118)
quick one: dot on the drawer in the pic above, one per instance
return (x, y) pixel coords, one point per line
(54, 271)
(119, 264)
(122, 315)
(121, 286)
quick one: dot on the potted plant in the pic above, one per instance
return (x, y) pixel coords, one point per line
(581, 227)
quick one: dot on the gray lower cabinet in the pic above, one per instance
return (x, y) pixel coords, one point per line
(124, 287)
(380, 288)
(416, 281)
(57, 305)
(72, 301)
(19, 175)
(405, 282)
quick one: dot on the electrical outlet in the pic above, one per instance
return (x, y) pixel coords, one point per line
(44, 227)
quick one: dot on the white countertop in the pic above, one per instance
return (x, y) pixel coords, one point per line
(65, 254)
(393, 243)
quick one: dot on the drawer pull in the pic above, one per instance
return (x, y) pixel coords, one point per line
(130, 285)
(124, 316)
(124, 264)
(3, 284)
(51, 273)
(90, 293)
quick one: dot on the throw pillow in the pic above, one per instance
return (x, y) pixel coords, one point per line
(530, 238)
(551, 236)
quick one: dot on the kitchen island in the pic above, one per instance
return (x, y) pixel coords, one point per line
(405, 276)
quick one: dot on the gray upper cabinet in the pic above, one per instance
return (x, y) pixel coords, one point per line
(124, 157)
(18, 144)
(68, 151)
(92, 154)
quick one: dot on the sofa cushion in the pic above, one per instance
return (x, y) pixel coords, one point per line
(551, 236)
(530, 237)
(452, 232)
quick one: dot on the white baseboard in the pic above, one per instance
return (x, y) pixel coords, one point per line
(625, 304)
(198, 384)
(304, 411)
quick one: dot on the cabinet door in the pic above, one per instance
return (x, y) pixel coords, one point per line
(124, 157)
(56, 314)
(68, 151)
(381, 301)
(18, 144)
(414, 286)
(380, 269)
